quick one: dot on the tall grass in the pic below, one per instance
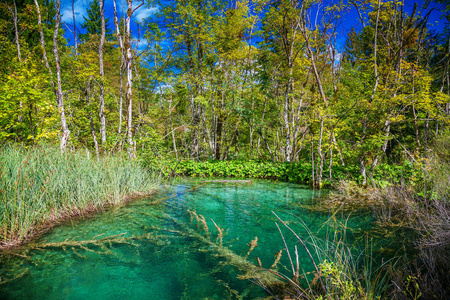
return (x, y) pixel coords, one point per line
(423, 208)
(41, 185)
(341, 271)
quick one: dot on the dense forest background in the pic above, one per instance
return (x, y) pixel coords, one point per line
(280, 81)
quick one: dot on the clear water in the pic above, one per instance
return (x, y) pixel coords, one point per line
(176, 264)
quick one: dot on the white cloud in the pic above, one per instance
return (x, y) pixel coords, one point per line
(140, 14)
(79, 8)
(144, 12)
(141, 45)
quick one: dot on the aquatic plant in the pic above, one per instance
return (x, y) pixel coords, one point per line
(40, 186)
(422, 207)
(341, 272)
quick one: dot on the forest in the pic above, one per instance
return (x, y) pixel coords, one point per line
(352, 95)
(280, 81)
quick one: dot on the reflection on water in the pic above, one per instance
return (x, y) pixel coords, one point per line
(171, 263)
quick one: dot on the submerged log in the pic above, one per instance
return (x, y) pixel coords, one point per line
(248, 270)
(230, 181)
(109, 240)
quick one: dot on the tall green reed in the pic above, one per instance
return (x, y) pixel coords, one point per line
(39, 185)
(341, 271)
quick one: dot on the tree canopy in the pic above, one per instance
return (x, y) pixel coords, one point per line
(283, 81)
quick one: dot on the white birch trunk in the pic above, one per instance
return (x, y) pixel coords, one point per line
(16, 30)
(65, 130)
(129, 68)
(57, 89)
(74, 29)
(102, 75)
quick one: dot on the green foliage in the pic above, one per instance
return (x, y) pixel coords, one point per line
(290, 172)
(28, 114)
(93, 23)
(40, 185)
(298, 172)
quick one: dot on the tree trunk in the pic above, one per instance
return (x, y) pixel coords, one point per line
(320, 153)
(127, 56)
(102, 75)
(313, 169)
(16, 30)
(288, 149)
(362, 163)
(74, 29)
(19, 55)
(219, 128)
(44, 52)
(65, 129)
(129, 68)
(57, 89)
(171, 129)
(91, 120)
(121, 95)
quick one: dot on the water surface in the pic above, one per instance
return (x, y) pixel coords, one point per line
(172, 262)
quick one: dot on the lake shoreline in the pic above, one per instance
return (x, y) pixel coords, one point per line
(76, 214)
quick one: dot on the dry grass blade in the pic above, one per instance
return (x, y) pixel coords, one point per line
(306, 248)
(220, 235)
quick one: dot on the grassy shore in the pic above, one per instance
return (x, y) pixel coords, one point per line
(41, 186)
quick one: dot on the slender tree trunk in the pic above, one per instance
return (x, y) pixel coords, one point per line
(65, 129)
(387, 130)
(129, 68)
(102, 75)
(121, 95)
(44, 52)
(195, 120)
(171, 128)
(337, 147)
(16, 30)
(219, 127)
(262, 122)
(362, 162)
(125, 46)
(427, 128)
(251, 129)
(331, 159)
(57, 89)
(318, 78)
(74, 29)
(313, 169)
(234, 137)
(416, 127)
(91, 120)
(320, 153)
(288, 149)
(19, 55)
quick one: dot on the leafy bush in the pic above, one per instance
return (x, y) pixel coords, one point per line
(292, 172)
(296, 172)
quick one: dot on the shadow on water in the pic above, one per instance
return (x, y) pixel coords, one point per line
(151, 249)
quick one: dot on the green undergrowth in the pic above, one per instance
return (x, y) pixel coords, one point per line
(41, 185)
(296, 172)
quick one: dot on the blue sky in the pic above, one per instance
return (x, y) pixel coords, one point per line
(80, 7)
(350, 19)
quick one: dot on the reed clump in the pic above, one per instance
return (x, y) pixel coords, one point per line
(423, 208)
(340, 271)
(41, 186)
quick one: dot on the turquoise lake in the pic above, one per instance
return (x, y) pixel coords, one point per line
(162, 254)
